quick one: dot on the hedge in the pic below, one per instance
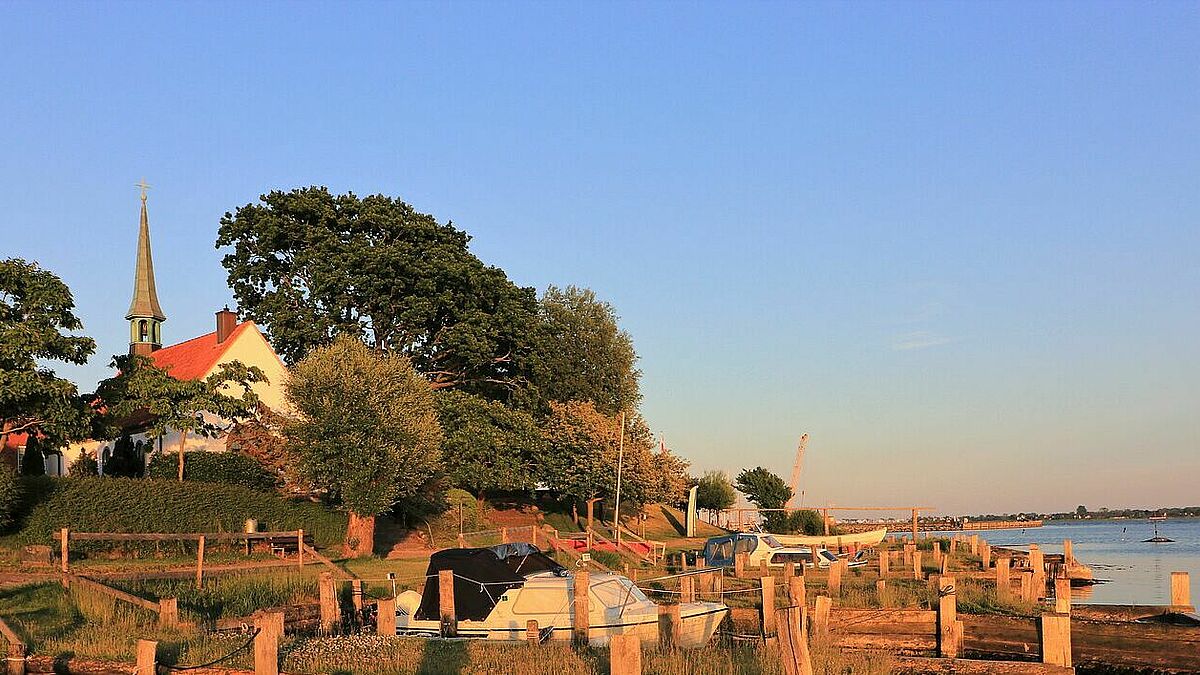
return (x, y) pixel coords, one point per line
(213, 467)
(151, 505)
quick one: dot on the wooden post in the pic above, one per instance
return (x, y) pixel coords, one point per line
(948, 646)
(580, 622)
(1037, 563)
(329, 602)
(1062, 595)
(825, 520)
(909, 549)
(914, 525)
(706, 583)
(937, 553)
(533, 534)
(789, 571)
(385, 616)
(356, 594)
(668, 626)
(625, 655)
(1003, 585)
(687, 589)
(796, 591)
(1027, 585)
(944, 566)
(1056, 639)
(793, 644)
(835, 579)
(985, 555)
(462, 541)
(763, 570)
(533, 636)
(266, 643)
(917, 573)
(200, 563)
(446, 603)
(768, 606)
(740, 560)
(300, 548)
(974, 544)
(884, 563)
(168, 611)
(881, 592)
(821, 615)
(16, 658)
(147, 654)
(1068, 553)
(504, 535)
(1181, 592)
(64, 537)
(816, 559)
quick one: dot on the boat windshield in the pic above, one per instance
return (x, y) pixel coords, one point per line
(616, 593)
(828, 556)
(772, 542)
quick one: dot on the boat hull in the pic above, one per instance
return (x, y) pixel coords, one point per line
(832, 542)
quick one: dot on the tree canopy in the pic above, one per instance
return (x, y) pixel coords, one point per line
(36, 316)
(763, 488)
(145, 395)
(366, 431)
(308, 266)
(581, 354)
(487, 446)
(715, 492)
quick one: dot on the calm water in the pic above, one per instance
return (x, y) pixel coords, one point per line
(1136, 573)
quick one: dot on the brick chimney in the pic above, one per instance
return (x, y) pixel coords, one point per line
(226, 322)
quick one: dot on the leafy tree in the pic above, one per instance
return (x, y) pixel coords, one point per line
(309, 266)
(715, 492)
(366, 433)
(768, 491)
(33, 462)
(142, 394)
(582, 455)
(487, 446)
(1081, 511)
(85, 465)
(10, 496)
(36, 312)
(580, 353)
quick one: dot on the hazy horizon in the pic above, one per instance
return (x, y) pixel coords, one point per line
(954, 243)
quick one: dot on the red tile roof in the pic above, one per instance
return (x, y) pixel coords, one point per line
(193, 359)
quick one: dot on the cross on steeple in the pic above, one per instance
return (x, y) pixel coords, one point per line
(144, 186)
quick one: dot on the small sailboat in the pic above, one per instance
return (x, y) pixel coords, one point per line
(1157, 539)
(500, 589)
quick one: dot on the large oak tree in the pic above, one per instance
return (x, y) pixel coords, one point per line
(308, 266)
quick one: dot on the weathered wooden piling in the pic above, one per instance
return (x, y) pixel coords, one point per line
(949, 627)
(767, 613)
(687, 589)
(147, 655)
(985, 555)
(881, 591)
(1068, 553)
(449, 622)
(883, 564)
(796, 591)
(200, 563)
(1062, 595)
(1056, 639)
(835, 579)
(356, 594)
(65, 553)
(625, 655)
(793, 643)
(1181, 592)
(1003, 585)
(740, 560)
(330, 615)
(266, 642)
(1037, 563)
(580, 622)
(168, 611)
(669, 623)
(820, 618)
(916, 560)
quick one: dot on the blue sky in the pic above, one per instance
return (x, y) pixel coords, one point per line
(956, 243)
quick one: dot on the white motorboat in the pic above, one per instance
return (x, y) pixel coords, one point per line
(721, 552)
(498, 590)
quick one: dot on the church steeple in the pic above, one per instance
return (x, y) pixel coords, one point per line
(145, 317)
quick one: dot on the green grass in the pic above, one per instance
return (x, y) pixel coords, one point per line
(229, 595)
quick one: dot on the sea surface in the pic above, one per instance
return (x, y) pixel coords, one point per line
(1134, 572)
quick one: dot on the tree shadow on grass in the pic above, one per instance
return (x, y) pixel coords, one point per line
(670, 517)
(443, 657)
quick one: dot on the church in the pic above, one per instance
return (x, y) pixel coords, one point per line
(193, 359)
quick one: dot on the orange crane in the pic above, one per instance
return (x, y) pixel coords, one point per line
(796, 469)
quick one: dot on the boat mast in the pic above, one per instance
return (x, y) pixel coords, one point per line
(620, 462)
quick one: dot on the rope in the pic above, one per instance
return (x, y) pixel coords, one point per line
(217, 660)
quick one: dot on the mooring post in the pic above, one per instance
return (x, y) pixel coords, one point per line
(985, 555)
(1037, 563)
(504, 535)
(1003, 586)
(449, 622)
(266, 642)
(1181, 592)
(330, 615)
(385, 616)
(821, 615)
(908, 552)
(356, 594)
(668, 626)
(881, 591)
(944, 566)
(1062, 595)
(625, 655)
(937, 553)
(974, 544)
(835, 579)
(200, 563)
(816, 559)
(916, 557)
(740, 561)
(16, 658)
(789, 571)
(64, 537)
(1056, 639)
(767, 608)
(793, 643)
(1068, 553)
(947, 618)
(1027, 593)
(687, 589)
(168, 611)
(883, 563)
(147, 654)
(580, 623)
(533, 636)
(796, 591)
(300, 548)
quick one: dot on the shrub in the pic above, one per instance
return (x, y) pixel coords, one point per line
(10, 496)
(33, 462)
(85, 465)
(126, 459)
(213, 467)
(150, 505)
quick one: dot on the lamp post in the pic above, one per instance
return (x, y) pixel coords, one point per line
(620, 463)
